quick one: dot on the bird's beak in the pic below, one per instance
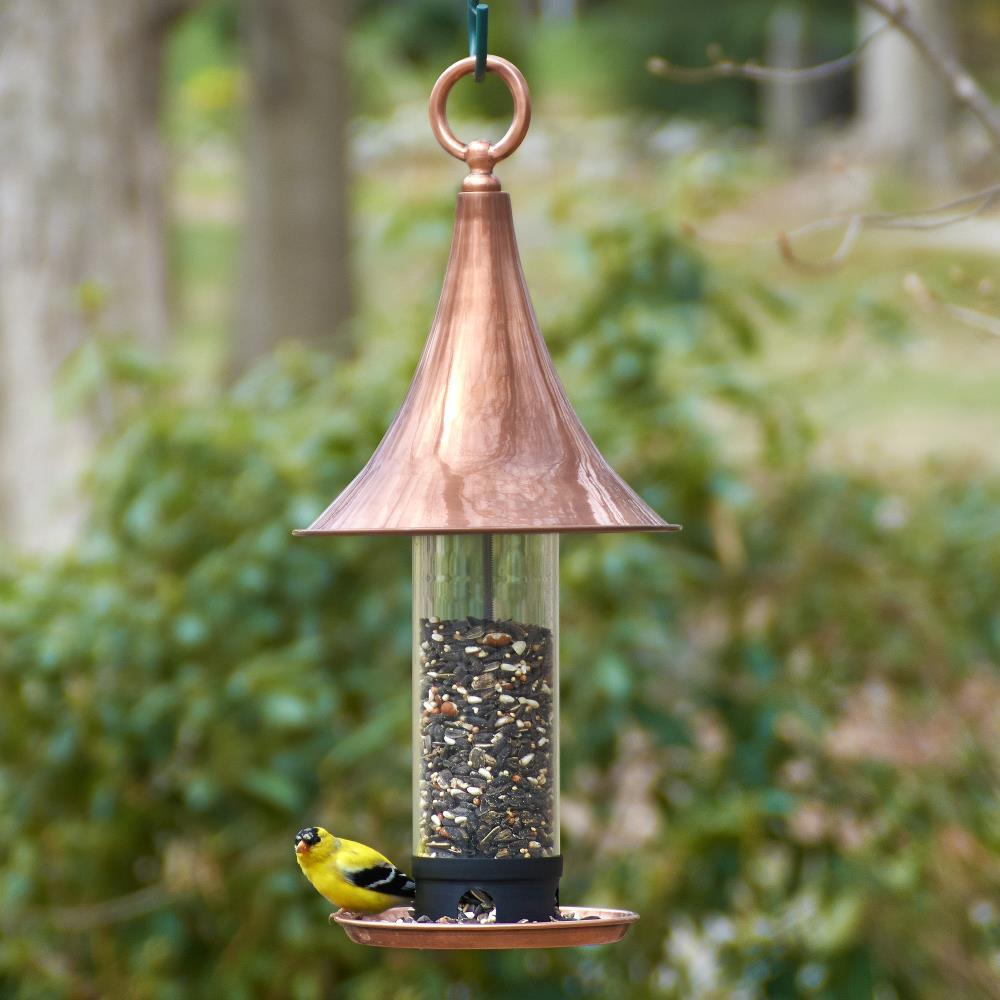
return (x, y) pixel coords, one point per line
(301, 847)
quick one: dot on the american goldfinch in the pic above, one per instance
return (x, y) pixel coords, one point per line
(350, 875)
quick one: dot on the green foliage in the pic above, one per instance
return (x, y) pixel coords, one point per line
(204, 81)
(778, 727)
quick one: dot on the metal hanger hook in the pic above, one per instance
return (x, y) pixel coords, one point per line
(479, 23)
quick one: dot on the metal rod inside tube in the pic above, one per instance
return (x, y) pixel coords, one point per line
(488, 577)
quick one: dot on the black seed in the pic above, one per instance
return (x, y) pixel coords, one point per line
(506, 816)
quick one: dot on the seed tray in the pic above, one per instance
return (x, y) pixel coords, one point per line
(396, 928)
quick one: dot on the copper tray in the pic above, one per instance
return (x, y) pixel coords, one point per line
(381, 931)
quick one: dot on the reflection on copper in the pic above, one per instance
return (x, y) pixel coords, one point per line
(486, 440)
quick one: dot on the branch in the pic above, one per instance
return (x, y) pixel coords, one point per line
(897, 16)
(965, 89)
(973, 204)
(723, 68)
(936, 217)
(974, 318)
(915, 287)
(853, 229)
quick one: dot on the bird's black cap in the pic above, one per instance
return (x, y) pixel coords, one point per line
(310, 835)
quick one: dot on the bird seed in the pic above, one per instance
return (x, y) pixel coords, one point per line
(511, 811)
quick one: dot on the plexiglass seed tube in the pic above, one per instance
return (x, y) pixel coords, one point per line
(486, 691)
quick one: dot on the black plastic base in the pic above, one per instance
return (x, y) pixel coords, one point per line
(521, 888)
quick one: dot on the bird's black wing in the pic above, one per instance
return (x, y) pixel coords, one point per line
(384, 878)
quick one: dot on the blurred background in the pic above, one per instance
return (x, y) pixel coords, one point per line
(223, 227)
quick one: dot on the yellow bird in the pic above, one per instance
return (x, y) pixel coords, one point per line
(350, 875)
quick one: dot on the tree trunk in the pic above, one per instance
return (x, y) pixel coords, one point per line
(788, 109)
(296, 273)
(81, 223)
(906, 109)
(558, 10)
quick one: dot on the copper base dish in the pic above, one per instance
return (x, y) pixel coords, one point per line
(381, 931)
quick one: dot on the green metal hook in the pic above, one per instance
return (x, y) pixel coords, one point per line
(479, 22)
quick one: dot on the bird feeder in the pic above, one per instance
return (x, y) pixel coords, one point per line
(484, 466)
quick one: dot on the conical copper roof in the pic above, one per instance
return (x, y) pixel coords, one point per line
(486, 440)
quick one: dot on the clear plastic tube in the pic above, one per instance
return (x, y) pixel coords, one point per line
(486, 696)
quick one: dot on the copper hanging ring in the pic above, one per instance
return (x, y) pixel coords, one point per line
(480, 154)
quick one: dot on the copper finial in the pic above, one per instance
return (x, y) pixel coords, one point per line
(480, 154)
(486, 440)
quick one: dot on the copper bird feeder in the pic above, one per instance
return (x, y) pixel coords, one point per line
(485, 465)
